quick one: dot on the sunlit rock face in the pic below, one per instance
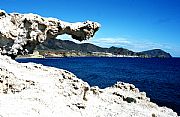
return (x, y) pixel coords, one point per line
(20, 33)
(34, 90)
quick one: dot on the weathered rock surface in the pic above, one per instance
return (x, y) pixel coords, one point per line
(34, 90)
(20, 33)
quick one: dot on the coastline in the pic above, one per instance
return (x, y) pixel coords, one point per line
(51, 54)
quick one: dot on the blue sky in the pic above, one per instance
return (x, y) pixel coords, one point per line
(133, 24)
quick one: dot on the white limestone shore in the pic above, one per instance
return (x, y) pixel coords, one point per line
(34, 90)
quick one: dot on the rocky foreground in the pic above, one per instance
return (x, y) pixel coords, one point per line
(34, 90)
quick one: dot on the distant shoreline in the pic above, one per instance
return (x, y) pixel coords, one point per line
(29, 57)
(52, 54)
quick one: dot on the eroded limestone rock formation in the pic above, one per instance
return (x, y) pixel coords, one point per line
(34, 90)
(20, 33)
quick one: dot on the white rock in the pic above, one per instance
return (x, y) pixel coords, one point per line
(30, 29)
(34, 90)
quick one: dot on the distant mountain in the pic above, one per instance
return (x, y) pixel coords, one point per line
(66, 45)
(158, 53)
(120, 51)
(57, 45)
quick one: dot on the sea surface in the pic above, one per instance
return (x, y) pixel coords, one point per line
(159, 78)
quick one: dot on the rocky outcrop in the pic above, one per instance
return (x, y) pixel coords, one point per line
(20, 33)
(34, 90)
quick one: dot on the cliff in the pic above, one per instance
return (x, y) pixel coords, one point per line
(34, 90)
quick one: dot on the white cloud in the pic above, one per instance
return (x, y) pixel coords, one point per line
(64, 37)
(111, 41)
(68, 37)
(122, 42)
(106, 42)
(130, 44)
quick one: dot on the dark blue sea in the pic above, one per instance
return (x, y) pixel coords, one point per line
(159, 78)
